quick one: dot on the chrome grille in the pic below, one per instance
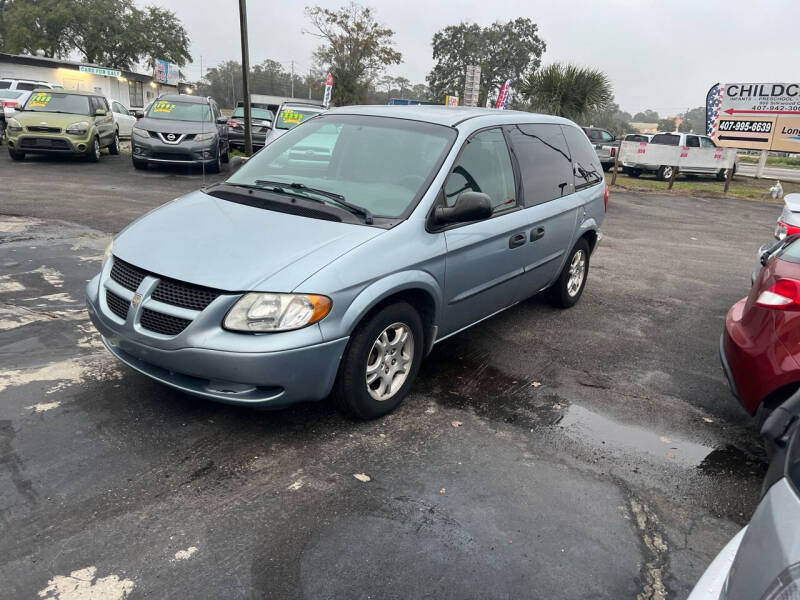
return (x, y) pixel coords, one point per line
(161, 323)
(127, 275)
(119, 306)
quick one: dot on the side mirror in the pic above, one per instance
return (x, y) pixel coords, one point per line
(139, 114)
(469, 206)
(222, 120)
(100, 112)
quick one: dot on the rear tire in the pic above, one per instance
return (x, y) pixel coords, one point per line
(664, 173)
(139, 164)
(569, 286)
(16, 155)
(381, 359)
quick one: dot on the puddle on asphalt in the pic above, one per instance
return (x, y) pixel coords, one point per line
(584, 425)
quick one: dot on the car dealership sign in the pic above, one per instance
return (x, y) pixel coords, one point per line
(757, 116)
(166, 72)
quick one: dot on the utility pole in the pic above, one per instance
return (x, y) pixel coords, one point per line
(248, 134)
(292, 79)
(309, 84)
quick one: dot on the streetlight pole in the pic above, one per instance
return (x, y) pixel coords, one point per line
(248, 135)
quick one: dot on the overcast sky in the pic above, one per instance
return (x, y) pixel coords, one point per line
(659, 54)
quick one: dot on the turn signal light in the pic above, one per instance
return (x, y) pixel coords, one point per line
(784, 294)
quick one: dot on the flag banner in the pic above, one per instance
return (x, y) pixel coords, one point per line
(502, 98)
(328, 87)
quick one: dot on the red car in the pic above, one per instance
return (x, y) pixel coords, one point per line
(760, 348)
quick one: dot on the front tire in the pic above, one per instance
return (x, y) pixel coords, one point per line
(722, 174)
(216, 166)
(568, 289)
(94, 151)
(139, 164)
(114, 147)
(380, 363)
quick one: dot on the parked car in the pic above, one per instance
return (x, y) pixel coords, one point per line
(296, 278)
(760, 346)
(690, 140)
(62, 122)
(789, 221)
(123, 118)
(762, 561)
(10, 101)
(26, 85)
(181, 129)
(261, 123)
(605, 144)
(632, 169)
(290, 115)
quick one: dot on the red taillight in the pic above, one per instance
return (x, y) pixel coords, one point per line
(784, 294)
(605, 199)
(232, 124)
(613, 152)
(9, 103)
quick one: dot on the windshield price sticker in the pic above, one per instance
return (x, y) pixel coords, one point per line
(40, 100)
(291, 116)
(746, 126)
(162, 106)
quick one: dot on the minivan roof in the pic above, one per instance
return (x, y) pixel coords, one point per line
(449, 115)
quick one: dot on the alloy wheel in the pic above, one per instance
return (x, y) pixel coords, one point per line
(389, 361)
(577, 272)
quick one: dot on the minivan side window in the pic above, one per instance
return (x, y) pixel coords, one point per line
(585, 164)
(483, 166)
(544, 161)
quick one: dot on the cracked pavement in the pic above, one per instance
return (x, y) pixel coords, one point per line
(590, 453)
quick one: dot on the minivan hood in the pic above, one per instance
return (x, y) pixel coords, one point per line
(221, 244)
(173, 126)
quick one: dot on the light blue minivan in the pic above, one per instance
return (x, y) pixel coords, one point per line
(333, 260)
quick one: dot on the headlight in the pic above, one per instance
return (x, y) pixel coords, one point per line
(140, 133)
(13, 125)
(202, 137)
(256, 312)
(107, 253)
(785, 586)
(78, 128)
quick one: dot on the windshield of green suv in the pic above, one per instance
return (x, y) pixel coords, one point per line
(255, 113)
(175, 110)
(382, 164)
(291, 117)
(58, 102)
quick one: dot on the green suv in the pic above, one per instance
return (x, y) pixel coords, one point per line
(62, 122)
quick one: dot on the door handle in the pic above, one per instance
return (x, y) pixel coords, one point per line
(515, 241)
(537, 233)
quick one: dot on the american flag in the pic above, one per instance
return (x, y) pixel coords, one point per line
(502, 97)
(713, 104)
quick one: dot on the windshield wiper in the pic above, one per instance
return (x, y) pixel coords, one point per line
(337, 198)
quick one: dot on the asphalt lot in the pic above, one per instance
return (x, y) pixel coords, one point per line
(592, 453)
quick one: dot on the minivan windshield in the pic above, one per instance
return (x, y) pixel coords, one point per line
(58, 102)
(292, 116)
(175, 110)
(382, 164)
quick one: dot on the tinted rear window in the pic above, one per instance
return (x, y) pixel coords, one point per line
(27, 86)
(585, 164)
(255, 113)
(636, 138)
(666, 139)
(544, 161)
(4, 85)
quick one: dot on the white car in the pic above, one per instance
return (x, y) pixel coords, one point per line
(25, 85)
(123, 118)
(10, 101)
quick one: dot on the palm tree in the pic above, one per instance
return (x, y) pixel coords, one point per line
(568, 90)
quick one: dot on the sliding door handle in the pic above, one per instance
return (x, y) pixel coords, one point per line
(537, 233)
(515, 241)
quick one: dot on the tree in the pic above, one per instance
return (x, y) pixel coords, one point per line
(611, 118)
(694, 120)
(114, 34)
(648, 116)
(355, 47)
(510, 50)
(568, 91)
(666, 125)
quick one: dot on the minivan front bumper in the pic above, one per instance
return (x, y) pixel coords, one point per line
(270, 378)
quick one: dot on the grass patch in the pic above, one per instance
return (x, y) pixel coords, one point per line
(236, 152)
(772, 161)
(709, 187)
